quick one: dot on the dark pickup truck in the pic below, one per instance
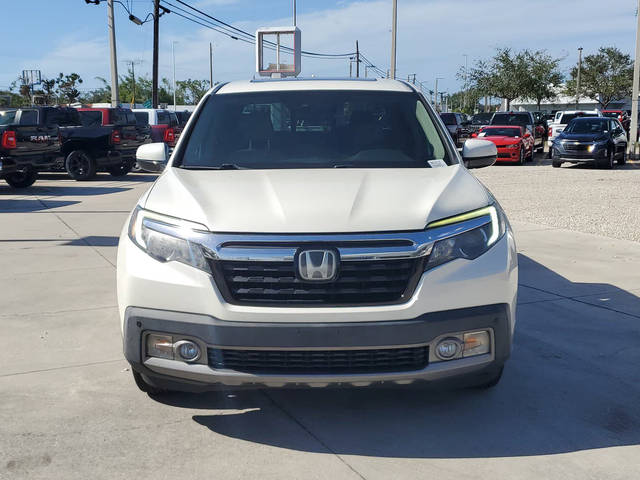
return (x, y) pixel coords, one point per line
(125, 133)
(27, 145)
(55, 139)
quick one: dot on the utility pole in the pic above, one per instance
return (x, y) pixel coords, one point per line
(173, 55)
(578, 79)
(633, 132)
(357, 60)
(466, 68)
(436, 93)
(115, 96)
(294, 13)
(210, 65)
(132, 64)
(394, 31)
(156, 33)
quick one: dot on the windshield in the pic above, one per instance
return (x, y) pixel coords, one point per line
(587, 126)
(511, 119)
(7, 117)
(314, 129)
(500, 131)
(481, 118)
(567, 117)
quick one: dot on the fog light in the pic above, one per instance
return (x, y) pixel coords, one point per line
(160, 346)
(476, 343)
(187, 350)
(448, 348)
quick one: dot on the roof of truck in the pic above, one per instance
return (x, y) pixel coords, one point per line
(298, 84)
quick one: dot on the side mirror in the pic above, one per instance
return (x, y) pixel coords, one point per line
(479, 153)
(153, 157)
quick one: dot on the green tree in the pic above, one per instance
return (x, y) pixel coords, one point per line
(605, 76)
(544, 76)
(67, 87)
(98, 95)
(192, 90)
(504, 75)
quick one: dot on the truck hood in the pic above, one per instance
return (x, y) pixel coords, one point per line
(316, 200)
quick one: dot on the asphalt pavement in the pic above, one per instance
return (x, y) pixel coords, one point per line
(566, 408)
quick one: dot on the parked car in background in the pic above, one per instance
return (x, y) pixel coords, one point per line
(121, 124)
(600, 141)
(478, 121)
(27, 145)
(562, 119)
(183, 117)
(521, 119)
(349, 249)
(621, 115)
(456, 124)
(514, 143)
(165, 126)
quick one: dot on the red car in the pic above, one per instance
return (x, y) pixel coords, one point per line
(515, 144)
(621, 115)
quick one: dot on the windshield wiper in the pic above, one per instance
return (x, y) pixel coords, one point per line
(224, 166)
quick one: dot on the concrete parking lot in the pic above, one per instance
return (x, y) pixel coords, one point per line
(567, 406)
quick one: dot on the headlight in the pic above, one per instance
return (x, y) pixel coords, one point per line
(596, 146)
(515, 145)
(166, 238)
(472, 243)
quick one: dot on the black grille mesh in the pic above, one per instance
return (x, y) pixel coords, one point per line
(320, 361)
(358, 283)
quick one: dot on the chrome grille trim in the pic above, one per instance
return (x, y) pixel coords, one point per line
(352, 247)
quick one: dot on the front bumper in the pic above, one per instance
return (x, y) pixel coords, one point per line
(210, 332)
(508, 154)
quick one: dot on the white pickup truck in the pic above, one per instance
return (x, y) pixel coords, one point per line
(562, 119)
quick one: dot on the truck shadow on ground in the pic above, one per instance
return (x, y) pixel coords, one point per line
(572, 384)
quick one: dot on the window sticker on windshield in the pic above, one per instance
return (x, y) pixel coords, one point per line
(437, 163)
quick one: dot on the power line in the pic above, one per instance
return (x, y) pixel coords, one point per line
(222, 24)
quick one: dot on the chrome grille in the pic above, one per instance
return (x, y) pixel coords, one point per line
(320, 361)
(361, 282)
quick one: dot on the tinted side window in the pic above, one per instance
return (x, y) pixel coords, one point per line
(163, 118)
(142, 118)
(7, 117)
(91, 118)
(29, 117)
(131, 118)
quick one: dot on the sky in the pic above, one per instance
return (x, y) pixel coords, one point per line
(433, 35)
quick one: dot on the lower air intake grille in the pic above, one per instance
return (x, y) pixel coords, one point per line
(320, 361)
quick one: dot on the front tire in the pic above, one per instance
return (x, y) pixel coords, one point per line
(522, 159)
(608, 162)
(22, 179)
(121, 169)
(489, 379)
(80, 165)
(555, 164)
(623, 159)
(145, 387)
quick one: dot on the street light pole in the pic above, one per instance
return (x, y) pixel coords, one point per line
(633, 133)
(394, 28)
(578, 79)
(115, 93)
(156, 33)
(210, 65)
(466, 67)
(173, 54)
